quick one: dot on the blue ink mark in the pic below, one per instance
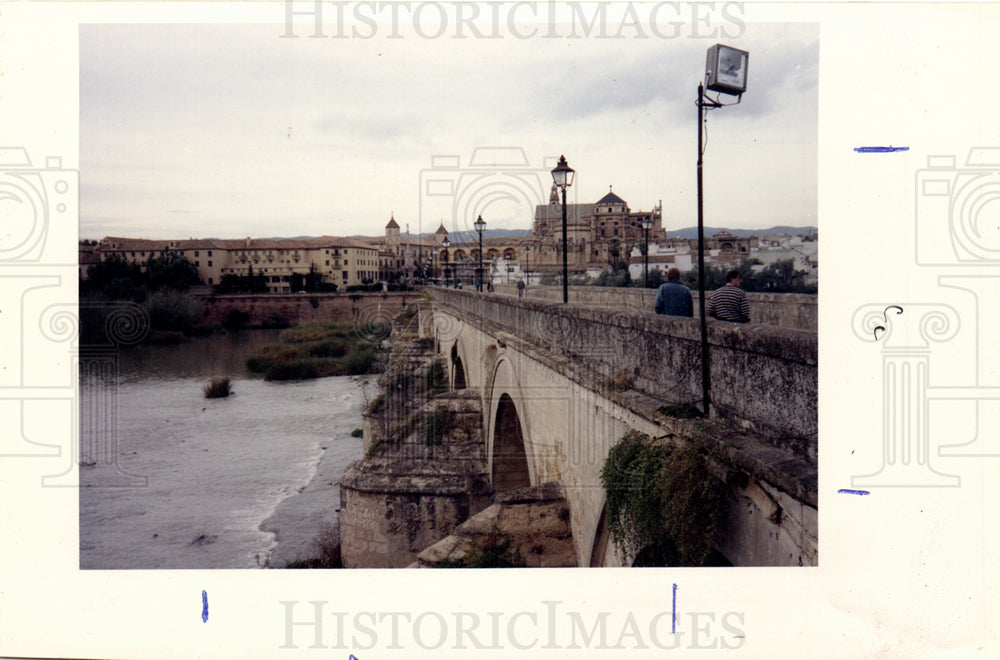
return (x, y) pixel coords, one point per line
(352, 657)
(204, 606)
(673, 620)
(848, 491)
(879, 150)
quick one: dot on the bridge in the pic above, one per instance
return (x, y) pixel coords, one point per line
(557, 385)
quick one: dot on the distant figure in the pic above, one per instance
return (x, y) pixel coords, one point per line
(520, 288)
(729, 302)
(489, 286)
(458, 284)
(673, 297)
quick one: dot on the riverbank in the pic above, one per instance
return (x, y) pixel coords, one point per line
(300, 518)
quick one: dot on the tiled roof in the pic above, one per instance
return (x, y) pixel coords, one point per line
(611, 198)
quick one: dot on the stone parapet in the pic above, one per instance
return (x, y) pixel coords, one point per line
(796, 311)
(763, 379)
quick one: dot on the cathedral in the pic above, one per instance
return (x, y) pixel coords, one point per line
(597, 235)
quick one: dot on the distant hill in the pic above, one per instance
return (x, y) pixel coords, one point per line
(692, 232)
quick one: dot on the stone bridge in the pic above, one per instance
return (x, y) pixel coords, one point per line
(559, 385)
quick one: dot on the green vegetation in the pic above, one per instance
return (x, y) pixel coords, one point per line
(320, 349)
(160, 285)
(357, 433)
(497, 554)
(663, 504)
(217, 389)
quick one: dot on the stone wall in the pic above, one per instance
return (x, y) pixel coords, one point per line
(763, 379)
(303, 307)
(796, 311)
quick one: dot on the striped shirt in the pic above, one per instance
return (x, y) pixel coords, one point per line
(729, 303)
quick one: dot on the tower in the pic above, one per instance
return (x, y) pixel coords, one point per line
(392, 236)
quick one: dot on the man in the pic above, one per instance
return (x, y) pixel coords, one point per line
(520, 288)
(729, 302)
(674, 298)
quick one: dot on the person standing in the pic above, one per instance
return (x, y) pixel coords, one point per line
(729, 302)
(520, 288)
(673, 297)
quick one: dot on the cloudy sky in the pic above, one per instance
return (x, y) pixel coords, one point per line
(230, 131)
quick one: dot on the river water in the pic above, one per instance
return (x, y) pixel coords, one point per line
(196, 478)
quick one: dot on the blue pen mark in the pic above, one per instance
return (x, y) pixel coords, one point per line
(673, 621)
(879, 150)
(848, 491)
(352, 657)
(204, 606)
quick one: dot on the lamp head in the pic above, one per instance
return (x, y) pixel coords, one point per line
(562, 175)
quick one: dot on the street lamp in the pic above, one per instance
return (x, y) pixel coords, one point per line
(725, 73)
(445, 244)
(647, 224)
(480, 225)
(527, 265)
(562, 175)
(506, 258)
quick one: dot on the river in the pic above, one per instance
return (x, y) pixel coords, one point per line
(212, 483)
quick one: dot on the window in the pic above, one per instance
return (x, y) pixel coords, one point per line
(209, 264)
(197, 264)
(196, 253)
(328, 261)
(210, 280)
(345, 275)
(210, 253)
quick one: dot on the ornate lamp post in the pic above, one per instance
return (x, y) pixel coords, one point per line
(647, 224)
(562, 175)
(726, 73)
(480, 225)
(506, 258)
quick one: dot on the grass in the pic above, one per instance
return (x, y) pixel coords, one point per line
(217, 389)
(319, 349)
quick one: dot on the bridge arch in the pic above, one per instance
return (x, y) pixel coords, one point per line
(508, 443)
(509, 464)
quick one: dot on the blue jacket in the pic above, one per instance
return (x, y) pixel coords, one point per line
(674, 299)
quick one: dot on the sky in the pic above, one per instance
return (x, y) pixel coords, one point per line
(227, 131)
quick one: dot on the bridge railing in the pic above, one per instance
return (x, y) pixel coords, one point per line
(763, 379)
(797, 311)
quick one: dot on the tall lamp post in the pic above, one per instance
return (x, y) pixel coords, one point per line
(506, 259)
(480, 225)
(562, 175)
(527, 265)
(647, 224)
(725, 72)
(445, 244)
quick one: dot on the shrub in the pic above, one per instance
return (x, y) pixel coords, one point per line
(174, 311)
(267, 356)
(357, 433)
(296, 370)
(361, 359)
(326, 545)
(329, 348)
(663, 504)
(217, 389)
(235, 319)
(497, 554)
